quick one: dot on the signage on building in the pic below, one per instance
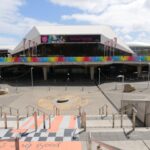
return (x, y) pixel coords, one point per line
(48, 39)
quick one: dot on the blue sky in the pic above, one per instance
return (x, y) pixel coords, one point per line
(128, 18)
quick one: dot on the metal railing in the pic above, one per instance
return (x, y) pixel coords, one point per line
(8, 110)
(124, 110)
(103, 110)
(100, 145)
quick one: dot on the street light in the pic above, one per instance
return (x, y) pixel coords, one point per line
(121, 76)
(99, 71)
(68, 78)
(32, 76)
(148, 75)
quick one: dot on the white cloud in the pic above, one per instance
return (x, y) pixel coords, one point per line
(91, 6)
(127, 17)
(7, 41)
(12, 22)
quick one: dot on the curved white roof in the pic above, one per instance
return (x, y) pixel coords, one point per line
(138, 44)
(105, 31)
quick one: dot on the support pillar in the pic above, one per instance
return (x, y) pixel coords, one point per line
(45, 71)
(92, 73)
(139, 71)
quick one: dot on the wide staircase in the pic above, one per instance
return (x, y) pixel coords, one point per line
(36, 125)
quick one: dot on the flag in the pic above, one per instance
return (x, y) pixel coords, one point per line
(24, 42)
(115, 42)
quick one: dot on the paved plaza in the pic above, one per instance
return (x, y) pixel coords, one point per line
(89, 97)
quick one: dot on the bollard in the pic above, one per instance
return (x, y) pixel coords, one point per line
(54, 110)
(82, 89)
(10, 111)
(89, 142)
(49, 121)
(35, 120)
(113, 123)
(17, 119)
(84, 120)
(121, 120)
(99, 111)
(38, 112)
(102, 110)
(79, 110)
(1, 111)
(134, 119)
(27, 112)
(106, 110)
(125, 110)
(44, 121)
(58, 111)
(16, 143)
(5, 120)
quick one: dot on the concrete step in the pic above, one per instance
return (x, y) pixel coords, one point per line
(104, 117)
(59, 122)
(107, 122)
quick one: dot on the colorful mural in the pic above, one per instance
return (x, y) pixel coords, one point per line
(73, 59)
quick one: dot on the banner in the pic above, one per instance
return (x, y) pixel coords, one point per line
(48, 39)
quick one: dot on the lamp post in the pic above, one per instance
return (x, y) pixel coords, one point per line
(68, 78)
(99, 71)
(32, 76)
(148, 75)
(121, 76)
(1, 80)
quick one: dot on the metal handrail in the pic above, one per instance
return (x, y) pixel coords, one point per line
(127, 107)
(131, 106)
(35, 108)
(101, 110)
(10, 110)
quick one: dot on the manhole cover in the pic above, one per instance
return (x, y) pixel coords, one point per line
(62, 100)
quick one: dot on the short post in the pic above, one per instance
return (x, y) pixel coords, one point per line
(56, 111)
(38, 112)
(84, 120)
(17, 119)
(82, 89)
(113, 122)
(44, 121)
(99, 111)
(121, 119)
(16, 143)
(106, 110)
(89, 142)
(1, 111)
(49, 117)
(10, 111)
(79, 110)
(102, 110)
(134, 119)
(35, 120)
(125, 110)
(27, 111)
(5, 120)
